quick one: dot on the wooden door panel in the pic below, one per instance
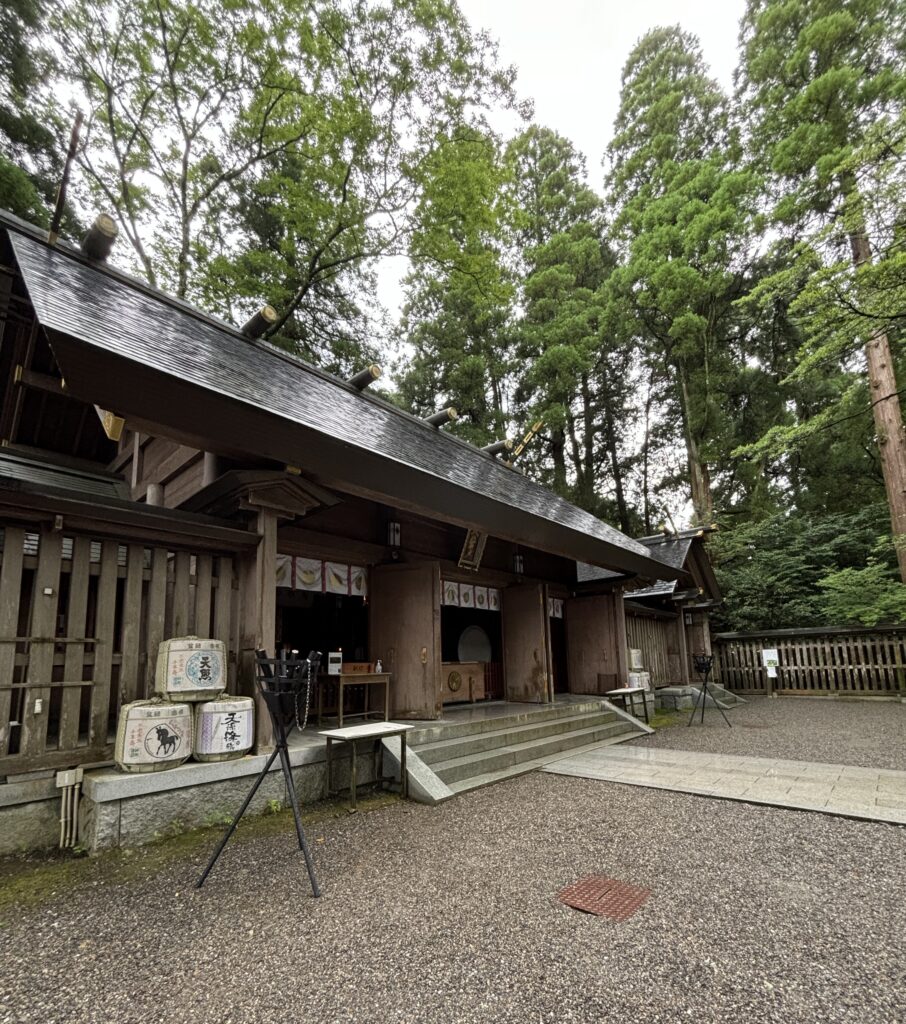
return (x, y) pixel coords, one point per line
(405, 635)
(525, 643)
(596, 645)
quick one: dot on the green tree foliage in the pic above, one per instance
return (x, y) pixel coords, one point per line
(794, 570)
(572, 367)
(30, 158)
(822, 87)
(682, 227)
(270, 150)
(823, 90)
(457, 317)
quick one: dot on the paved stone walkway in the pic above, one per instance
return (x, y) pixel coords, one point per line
(875, 794)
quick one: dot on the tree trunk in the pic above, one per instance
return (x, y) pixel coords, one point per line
(558, 455)
(887, 416)
(611, 432)
(699, 477)
(646, 496)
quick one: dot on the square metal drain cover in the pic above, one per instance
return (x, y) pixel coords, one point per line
(606, 897)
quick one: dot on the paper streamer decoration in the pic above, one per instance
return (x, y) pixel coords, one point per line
(309, 575)
(336, 578)
(285, 574)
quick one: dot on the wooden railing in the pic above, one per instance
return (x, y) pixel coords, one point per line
(815, 661)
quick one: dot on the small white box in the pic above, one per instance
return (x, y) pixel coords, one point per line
(635, 658)
(334, 663)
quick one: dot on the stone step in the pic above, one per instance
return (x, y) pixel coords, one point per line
(457, 768)
(524, 767)
(461, 746)
(544, 712)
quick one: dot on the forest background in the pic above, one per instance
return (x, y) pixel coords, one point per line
(689, 319)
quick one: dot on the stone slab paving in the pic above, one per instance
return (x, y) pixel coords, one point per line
(874, 794)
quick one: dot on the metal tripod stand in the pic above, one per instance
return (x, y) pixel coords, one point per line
(703, 663)
(279, 682)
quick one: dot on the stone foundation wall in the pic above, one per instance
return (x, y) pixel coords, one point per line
(120, 809)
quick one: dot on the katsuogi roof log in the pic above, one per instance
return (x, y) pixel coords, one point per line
(172, 370)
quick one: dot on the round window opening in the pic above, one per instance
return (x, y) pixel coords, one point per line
(474, 645)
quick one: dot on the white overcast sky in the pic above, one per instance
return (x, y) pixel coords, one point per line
(570, 54)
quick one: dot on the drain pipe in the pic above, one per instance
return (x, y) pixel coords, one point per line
(70, 784)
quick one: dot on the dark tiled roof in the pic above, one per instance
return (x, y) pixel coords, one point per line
(161, 362)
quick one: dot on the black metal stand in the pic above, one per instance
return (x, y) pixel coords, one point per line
(276, 703)
(703, 667)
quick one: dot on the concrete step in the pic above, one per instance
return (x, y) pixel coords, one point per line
(524, 767)
(544, 712)
(484, 762)
(536, 729)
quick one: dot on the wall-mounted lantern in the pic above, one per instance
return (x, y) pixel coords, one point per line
(393, 534)
(518, 564)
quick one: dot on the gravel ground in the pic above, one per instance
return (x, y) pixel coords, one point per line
(450, 915)
(863, 733)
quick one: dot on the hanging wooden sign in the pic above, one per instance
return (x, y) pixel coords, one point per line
(472, 550)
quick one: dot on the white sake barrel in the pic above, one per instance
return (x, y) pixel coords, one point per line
(153, 735)
(224, 728)
(189, 668)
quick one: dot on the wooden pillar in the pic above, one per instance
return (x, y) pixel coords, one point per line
(685, 659)
(258, 613)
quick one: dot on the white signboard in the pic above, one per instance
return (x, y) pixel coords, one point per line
(770, 659)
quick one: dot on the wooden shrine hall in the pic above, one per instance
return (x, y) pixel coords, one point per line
(163, 474)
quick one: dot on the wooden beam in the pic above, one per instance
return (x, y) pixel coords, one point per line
(38, 381)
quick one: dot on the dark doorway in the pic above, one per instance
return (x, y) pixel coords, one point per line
(325, 622)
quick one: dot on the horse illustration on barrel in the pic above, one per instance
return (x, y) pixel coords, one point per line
(167, 741)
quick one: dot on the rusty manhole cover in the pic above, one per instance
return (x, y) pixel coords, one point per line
(606, 897)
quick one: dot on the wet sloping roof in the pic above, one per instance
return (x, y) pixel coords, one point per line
(663, 588)
(672, 550)
(586, 573)
(135, 351)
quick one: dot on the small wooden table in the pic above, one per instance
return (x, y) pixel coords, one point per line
(347, 679)
(627, 696)
(369, 731)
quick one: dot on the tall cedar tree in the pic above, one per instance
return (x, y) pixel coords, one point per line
(681, 224)
(459, 294)
(571, 371)
(824, 88)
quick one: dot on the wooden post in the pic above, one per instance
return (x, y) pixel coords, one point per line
(684, 678)
(258, 613)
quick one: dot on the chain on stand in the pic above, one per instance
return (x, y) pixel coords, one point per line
(301, 726)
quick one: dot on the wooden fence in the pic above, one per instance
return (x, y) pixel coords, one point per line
(81, 618)
(815, 661)
(658, 640)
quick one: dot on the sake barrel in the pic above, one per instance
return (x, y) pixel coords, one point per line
(224, 728)
(190, 668)
(153, 735)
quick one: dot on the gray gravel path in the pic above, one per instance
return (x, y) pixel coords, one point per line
(864, 733)
(450, 915)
